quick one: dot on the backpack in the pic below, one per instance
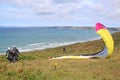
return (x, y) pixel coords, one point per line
(12, 52)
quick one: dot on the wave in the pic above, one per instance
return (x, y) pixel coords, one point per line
(45, 45)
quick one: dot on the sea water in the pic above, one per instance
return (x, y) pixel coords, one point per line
(38, 38)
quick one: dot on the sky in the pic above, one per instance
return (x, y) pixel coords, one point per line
(27, 13)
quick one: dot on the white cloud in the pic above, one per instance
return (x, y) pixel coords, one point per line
(62, 10)
(66, 1)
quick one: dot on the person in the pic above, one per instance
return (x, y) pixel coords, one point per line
(8, 54)
(16, 52)
(64, 49)
(12, 54)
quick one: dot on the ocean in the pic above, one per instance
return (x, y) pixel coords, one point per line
(39, 38)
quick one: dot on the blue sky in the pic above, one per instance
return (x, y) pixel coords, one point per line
(59, 12)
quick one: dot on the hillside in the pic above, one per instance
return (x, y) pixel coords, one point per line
(36, 65)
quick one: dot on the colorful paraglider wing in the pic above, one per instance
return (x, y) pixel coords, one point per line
(106, 36)
(107, 50)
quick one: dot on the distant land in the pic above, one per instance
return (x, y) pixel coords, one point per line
(68, 27)
(84, 28)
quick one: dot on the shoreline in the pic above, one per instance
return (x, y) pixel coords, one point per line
(27, 47)
(68, 44)
(2, 53)
(72, 43)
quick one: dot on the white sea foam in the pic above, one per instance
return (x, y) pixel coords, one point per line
(45, 45)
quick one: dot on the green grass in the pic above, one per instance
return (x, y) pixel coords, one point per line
(35, 65)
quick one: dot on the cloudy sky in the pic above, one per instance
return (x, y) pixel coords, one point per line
(59, 12)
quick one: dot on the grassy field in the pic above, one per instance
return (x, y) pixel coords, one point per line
(36, 65)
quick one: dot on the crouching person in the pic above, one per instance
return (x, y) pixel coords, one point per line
(12, 54)
(16, 52)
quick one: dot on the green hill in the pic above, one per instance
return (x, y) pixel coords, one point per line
(36, 65)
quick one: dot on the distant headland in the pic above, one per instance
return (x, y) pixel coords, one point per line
(83, 28)
(65, 27)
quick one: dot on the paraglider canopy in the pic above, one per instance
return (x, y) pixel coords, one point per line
(106, 52)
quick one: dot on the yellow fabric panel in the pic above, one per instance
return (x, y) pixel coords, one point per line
(106, 36)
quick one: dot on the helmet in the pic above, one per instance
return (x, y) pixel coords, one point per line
(8, 48)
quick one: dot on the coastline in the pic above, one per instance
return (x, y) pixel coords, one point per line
(53, 37)
(63, 45)
(42, 45)
(72, 43)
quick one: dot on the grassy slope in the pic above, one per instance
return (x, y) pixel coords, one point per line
(37, 66)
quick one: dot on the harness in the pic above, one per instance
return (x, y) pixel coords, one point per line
(12, 52)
